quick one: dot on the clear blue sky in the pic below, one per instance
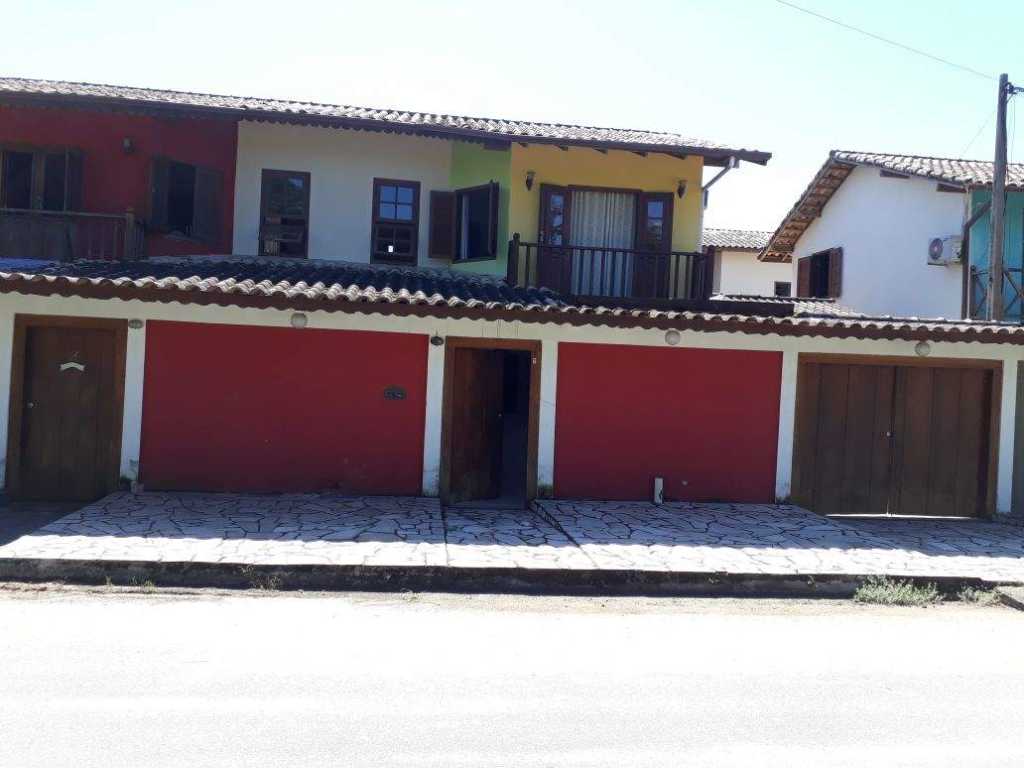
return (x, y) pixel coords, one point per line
(751, 73)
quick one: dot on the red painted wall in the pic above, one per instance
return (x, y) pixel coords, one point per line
(113, 180)
(628, 414)
(243, 408)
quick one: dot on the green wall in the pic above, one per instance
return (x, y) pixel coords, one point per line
(1013, 245)
(472, 164)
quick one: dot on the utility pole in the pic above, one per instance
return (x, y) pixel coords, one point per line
(995, 304)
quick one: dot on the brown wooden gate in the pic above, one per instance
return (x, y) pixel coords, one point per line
(898, 437)
(67, 397)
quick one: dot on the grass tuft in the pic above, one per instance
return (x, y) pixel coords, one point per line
(985, 597)
(879, 590)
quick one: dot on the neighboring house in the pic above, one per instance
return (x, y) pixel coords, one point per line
(737, 269)
(864, 231)
(591, 364)
(82, 180)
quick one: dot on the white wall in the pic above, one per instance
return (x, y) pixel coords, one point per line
(739, 272)
(342, 165)
(550, 334)
(884, 226)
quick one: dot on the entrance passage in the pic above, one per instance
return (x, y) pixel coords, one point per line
(882, 438)
(489, 425)
(66, 405)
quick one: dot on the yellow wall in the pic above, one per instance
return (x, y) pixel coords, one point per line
(587, 167)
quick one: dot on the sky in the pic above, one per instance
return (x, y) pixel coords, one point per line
(745, 73)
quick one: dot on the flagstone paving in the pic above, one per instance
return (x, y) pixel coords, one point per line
(330, 529)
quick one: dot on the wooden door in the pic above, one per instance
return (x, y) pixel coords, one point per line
(843, 441)
(652, 268)
(892, 439)
(475, 434)
(554, 265)
(66, 410)
(941, 428)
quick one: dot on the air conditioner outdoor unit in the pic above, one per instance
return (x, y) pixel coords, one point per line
(943, 251)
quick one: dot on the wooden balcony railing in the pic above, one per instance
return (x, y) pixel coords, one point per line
(616, 275)
(70, 235)
(1013, 294)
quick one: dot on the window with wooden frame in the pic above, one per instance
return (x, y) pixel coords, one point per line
(783, 288)
(464, 223)
(284, 213)
(820, 275)
(394, 233)
(34, 178)
(186, 200)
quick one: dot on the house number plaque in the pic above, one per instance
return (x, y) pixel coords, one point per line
(394, 393)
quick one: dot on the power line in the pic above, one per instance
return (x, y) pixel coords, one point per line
(872, 35)
(963, 152)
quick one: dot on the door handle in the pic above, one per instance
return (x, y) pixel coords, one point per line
(30, 405)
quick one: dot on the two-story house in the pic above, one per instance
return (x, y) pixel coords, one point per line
(901, 235)
(485, 310)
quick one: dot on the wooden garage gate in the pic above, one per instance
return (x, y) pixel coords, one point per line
(896, 436)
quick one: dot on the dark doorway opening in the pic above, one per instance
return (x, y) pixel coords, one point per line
(489, 442)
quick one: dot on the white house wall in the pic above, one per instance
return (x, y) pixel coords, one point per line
(740, 272)
(342, 165)
(884, 226)
(549, 334)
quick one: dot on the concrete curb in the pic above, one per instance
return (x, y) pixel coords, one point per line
(1011, 596)
(448, 579)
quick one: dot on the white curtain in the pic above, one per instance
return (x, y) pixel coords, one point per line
(603, 220)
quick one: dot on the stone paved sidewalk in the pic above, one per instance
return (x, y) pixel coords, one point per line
(328, 529)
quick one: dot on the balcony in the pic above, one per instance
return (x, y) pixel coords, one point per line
(620, 276)
(1013, 294)
(70, 235)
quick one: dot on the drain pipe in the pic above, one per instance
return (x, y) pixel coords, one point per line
(731, 163)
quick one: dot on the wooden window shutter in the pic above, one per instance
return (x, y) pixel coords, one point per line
(442, 225)
(73, 181)
(494, 209)
(835, 273)
(159, 190)
(206, 213)
(803, 277)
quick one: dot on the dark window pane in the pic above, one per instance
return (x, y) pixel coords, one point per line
(181, 183)
(54, 175)
(405, 194)
(17, 181)
(404, 212)
(387, 210)
(655, 209)
(387, 194)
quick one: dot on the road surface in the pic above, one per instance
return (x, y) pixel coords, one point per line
(104, 678)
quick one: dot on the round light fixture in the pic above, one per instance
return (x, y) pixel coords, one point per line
(135, 324)
(673, 337)
(923, 349)
(436, 340)
(299, 320)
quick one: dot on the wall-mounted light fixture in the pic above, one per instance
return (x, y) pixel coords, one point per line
(923, 349)
(530, 176)
(673, 337)
(299, 320)
(135, 324)
(128, 145)
(680, 189)
(436, 340)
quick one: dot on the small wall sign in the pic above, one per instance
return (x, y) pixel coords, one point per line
(394, 393)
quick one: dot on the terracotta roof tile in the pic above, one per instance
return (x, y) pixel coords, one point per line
(737, 239)
(318, 285)
(246, 107)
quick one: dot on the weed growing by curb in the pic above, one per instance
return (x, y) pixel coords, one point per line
(879, 590)
(979, 596)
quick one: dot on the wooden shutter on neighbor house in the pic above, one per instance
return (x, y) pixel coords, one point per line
(835, 273)
(442, 225)
(159, 189)
(206, 214)
(73, 181)
(803, 276)
(495, 195)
